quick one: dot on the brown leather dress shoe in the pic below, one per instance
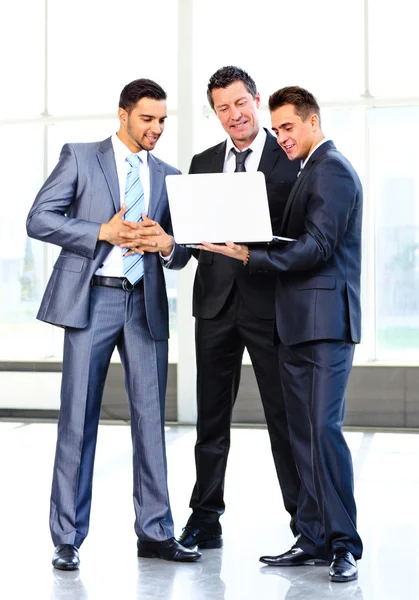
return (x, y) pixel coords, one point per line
(343, 567)
(295, 557)
(193, 536)
(168, 549)
(66, 557)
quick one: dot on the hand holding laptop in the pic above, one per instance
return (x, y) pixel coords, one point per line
(237, 251)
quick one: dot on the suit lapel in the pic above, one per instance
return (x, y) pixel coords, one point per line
(217, 163)
(269, 155)
(303, 175)
(156, 185)
(106, 160)
(292, 195)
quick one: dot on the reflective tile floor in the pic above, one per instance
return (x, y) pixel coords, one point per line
(255, 523)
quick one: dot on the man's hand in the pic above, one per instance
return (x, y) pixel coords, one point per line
(237, 251)
(111, 231)
(146, 236)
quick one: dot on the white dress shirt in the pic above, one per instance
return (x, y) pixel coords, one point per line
(112, 265)
(253, 160)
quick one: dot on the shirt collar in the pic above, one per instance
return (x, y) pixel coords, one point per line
(122, 151)
(257, 143)
(304, 162)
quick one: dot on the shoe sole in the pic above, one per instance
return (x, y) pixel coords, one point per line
(210, 545)
(315, 562)
(307, 563)
(147, 554)
(337, 579)
(66, 568)
(205, 545)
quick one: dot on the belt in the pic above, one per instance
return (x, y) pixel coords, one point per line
(121, 283)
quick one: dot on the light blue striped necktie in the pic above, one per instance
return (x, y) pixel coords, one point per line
(133, 265)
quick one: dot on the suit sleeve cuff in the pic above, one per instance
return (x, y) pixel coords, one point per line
(258, 260)
(167, 259)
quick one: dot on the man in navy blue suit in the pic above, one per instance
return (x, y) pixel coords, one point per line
(318, 322)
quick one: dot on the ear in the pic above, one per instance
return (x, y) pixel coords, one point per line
(122, 115)
(257, 99)
(314, 120)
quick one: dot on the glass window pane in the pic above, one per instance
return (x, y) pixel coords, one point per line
(77, 131)
(22, 52)
(393, 48)
(395, 191)
(22, 260)
(318, 47)
(171, 287)
(96, 47)
(347, 128)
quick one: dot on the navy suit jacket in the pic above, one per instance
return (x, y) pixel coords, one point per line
(216, 273)
(81, 193)
(318, 276)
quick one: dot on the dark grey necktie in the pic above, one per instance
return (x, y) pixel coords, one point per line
(240, 158)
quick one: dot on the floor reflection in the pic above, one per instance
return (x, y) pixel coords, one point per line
(254, 523)
(67, 585)
(315, 580)
(162, 580)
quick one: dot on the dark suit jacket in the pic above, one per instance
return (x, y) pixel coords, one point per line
(81, 193)
(318, 283)
(216, 274)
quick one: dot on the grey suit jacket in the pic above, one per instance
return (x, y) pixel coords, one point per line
(81, 193)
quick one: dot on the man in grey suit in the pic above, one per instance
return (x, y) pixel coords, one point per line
(103, 301)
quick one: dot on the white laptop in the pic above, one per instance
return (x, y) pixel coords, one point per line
(216, 207)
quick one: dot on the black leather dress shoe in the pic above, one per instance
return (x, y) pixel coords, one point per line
(295, 557)
(66, 557)
(169, 550)
(343, 567)
(193, 536)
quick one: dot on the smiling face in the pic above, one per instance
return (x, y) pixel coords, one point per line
(237, 112)
(295, 136)
(141, 128)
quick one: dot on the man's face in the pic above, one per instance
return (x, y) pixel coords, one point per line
(141, 128)
(295, 136)
(237, 112)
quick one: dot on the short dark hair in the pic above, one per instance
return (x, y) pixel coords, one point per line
(225, 77)
(137, 89)
(304, 102)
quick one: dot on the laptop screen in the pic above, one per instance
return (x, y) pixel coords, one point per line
(216, 207)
